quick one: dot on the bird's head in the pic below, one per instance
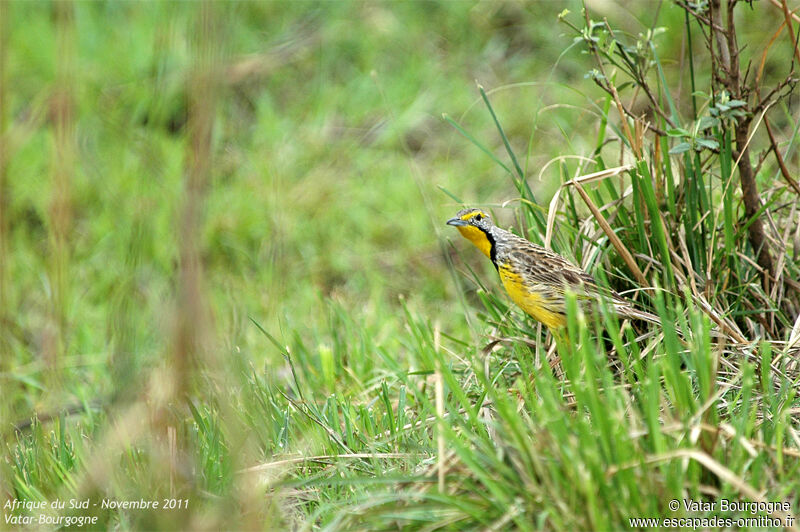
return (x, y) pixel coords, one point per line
(475, 225)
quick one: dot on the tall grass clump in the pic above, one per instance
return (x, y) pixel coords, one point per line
(683, 202)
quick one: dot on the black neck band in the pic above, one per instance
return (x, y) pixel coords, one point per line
(492, 248)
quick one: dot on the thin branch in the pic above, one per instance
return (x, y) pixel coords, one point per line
(781, 164)
(788, 16)
(704, 20)
(613, 90)
(766, 101)
(642, 83)
(628, 112)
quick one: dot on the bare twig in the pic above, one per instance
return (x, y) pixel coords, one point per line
(788, 16)
(781, 164)
(615, 95)
(767, 100)
(706, 21)
(642, 84)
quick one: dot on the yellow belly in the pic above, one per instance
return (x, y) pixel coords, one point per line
(532, 303)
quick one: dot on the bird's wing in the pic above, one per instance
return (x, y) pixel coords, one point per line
(554, 274)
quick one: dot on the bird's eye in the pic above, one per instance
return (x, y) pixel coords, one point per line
(478, 217)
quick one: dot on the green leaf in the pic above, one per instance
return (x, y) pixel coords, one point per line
(680, 148)
(678, 132)
(711, 144)
(708, 122)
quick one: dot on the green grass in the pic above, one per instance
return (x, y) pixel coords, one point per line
(316, 349)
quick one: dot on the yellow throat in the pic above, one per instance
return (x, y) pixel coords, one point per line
(477, 237)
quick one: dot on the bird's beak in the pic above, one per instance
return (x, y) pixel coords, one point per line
(456, 222)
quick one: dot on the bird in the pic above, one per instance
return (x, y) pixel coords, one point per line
(537, 279)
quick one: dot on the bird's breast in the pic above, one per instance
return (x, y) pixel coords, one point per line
(534, 302)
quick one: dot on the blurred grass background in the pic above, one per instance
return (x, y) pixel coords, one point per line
(223, 239)
(327, 138)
